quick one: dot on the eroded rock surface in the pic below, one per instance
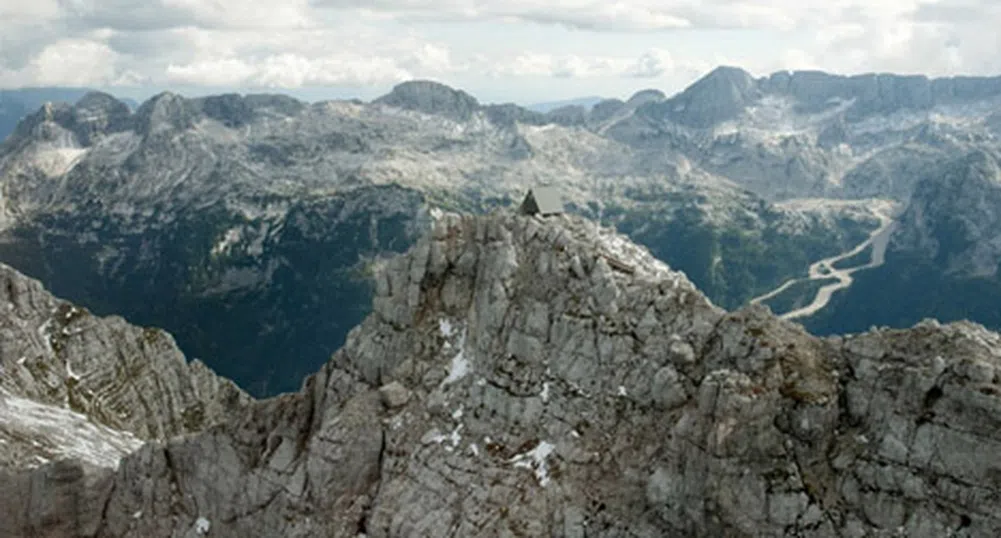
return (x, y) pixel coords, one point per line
(76, 385)
(528, 377)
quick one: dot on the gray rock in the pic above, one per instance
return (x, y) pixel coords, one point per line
(394, 395)
(531, 415)
(66, 370)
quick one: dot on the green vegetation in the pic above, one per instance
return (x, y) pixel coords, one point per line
(904, 291)
(740, 261)
(264, 320)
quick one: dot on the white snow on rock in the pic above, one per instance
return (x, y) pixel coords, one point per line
(460, 366)
(227, 242)
(43, 433)
(535, 460)
(202, 525)
(445, 327)
(436, 437)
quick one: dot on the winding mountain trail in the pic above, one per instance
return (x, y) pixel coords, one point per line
(825, 269)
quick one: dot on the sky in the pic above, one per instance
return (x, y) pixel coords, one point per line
(519, 51)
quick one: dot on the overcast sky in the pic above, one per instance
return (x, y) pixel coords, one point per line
(500, 50)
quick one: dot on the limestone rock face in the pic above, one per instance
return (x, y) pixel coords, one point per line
(559, 381)
(73, 384)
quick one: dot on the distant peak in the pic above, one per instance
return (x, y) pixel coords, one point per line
(718, 96)
(646, 96)
(730, 74)
(431, 97)
(165, 110)
(424, 85)
(97, 99)
(97, 114)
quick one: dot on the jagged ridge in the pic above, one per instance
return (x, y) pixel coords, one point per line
(520, 376)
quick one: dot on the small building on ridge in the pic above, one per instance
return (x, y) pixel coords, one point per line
(544, 201)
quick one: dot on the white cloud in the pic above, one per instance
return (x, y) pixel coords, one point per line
(552, 65)
(68, 62)
(295, 43)
(289, 71)
(652, 64)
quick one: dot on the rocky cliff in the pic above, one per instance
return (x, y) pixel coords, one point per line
(72, 384)
(527, 377)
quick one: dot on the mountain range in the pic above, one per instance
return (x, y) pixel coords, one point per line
(518, 376)
(248, 226)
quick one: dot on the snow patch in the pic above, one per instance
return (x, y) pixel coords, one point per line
(460, 366)
(621, 391)
(535, 460)
(228, 241)
(202, 525)
(445, 327)
(453, 438)
(545, 392)
(55, 432)
(59, 161)
(70, 374)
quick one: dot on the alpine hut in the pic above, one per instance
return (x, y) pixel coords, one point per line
(544, 201)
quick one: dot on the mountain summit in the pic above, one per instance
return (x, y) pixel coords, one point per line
(547, 377)
(431, 98)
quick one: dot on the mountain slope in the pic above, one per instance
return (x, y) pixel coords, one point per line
(942, 261)
(76, 385)
(546, 377)
(245, 220)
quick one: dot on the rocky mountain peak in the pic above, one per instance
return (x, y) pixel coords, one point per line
(165, 111)
(49, 122)
(543, 377)
(100, 103)
(720, 95)
(643, 97)
(97, 114)
(431, 97)
(234, 110)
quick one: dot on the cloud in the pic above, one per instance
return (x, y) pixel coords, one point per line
(633, 15)
(535, 64)
(934, 38)
(136, 15)
(68, 62)
(651, 64)
(297, 43)
(289, 71)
